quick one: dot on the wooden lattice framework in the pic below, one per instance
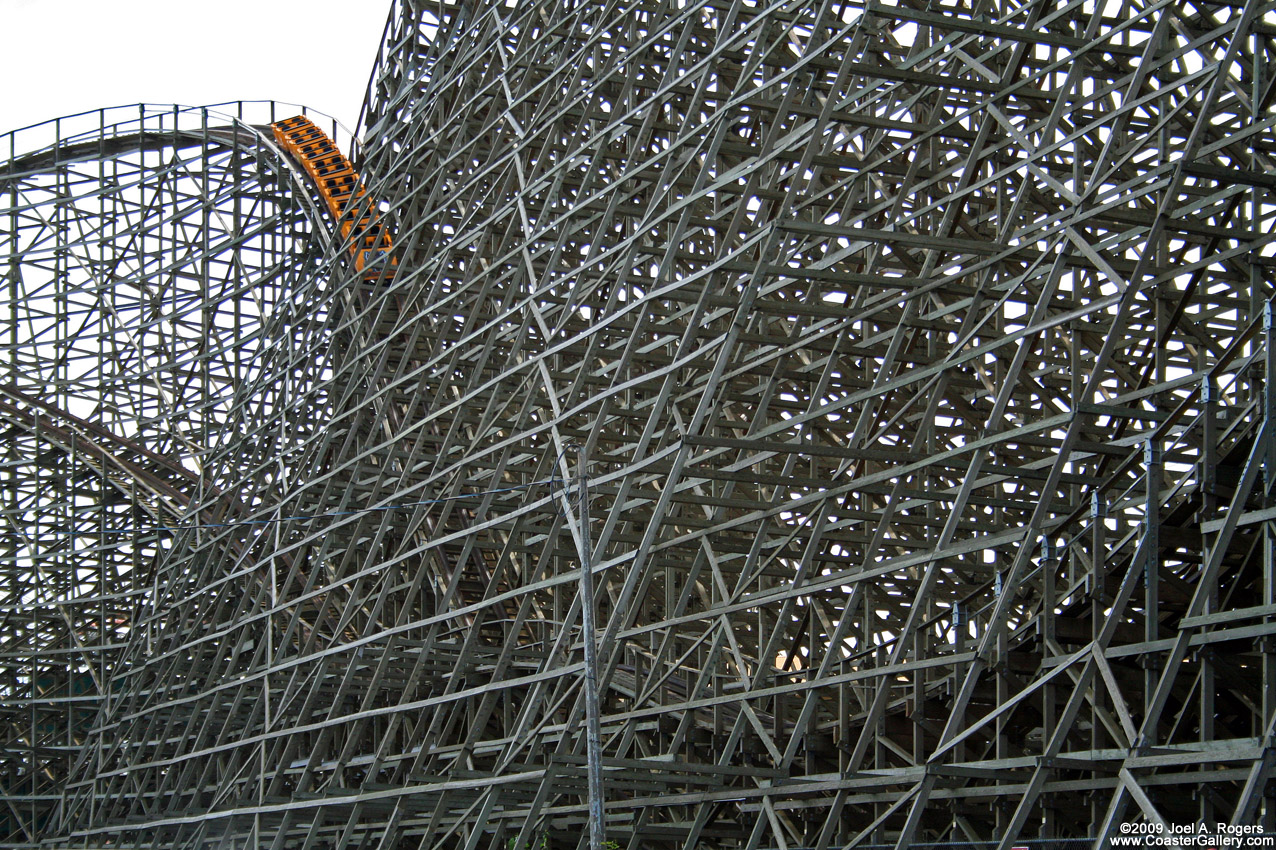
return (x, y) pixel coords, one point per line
(919, 357)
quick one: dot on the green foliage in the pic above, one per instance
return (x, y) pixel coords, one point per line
(541, 842)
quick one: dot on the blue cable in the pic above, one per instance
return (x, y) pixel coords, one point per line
(331, 514)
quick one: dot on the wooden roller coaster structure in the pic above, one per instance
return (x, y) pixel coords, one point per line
(922, 353)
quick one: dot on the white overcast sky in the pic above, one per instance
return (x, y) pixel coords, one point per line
(58, 57)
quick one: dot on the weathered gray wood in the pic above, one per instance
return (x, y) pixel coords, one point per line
(863, 315)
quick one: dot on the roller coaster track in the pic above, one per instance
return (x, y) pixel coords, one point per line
(113, 340)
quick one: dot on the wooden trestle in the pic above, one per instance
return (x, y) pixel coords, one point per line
(922, 353)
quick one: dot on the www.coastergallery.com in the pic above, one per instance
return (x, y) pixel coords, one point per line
(1204, 836)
